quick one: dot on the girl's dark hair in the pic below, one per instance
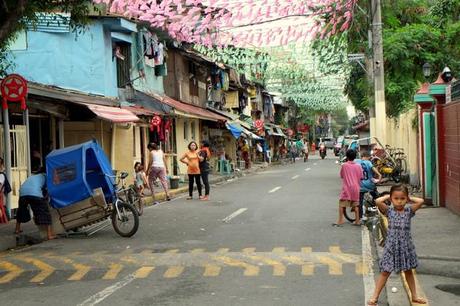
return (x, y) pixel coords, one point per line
(152, 146)
(205, 143)
(399, 187)
(190, 144)
(136, 164)
(351, 155)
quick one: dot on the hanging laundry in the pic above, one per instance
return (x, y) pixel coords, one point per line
(159, 58)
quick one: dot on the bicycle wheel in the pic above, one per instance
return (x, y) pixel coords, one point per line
(136, 201)
(126, 222)
(349, 214)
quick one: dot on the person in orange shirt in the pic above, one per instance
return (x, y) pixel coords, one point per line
(192, 159)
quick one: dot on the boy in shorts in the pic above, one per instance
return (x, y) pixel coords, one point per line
(351, 174)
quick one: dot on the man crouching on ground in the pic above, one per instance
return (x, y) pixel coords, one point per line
(33, 193)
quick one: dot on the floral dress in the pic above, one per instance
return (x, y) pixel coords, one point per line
(399, 252)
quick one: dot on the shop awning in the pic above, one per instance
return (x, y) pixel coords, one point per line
(191, 111)
(273, 130)
(113, 114)
(148, 104)
(235, 129)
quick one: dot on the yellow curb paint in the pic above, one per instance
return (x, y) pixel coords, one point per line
(211, 270)
(173, 272)
(13, 272)
(113, 271)
(143, 272)
(249, 270)
(45, 269)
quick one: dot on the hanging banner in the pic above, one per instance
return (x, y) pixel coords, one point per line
(14, 89)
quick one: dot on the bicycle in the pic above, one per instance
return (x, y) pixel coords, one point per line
(130, 194)
(123, 213)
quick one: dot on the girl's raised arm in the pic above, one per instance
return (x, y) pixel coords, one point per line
(380, 202)
(416, 203)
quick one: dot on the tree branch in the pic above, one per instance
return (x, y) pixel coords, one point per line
(12, 20)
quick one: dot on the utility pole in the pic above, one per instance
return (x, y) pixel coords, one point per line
(379, 77)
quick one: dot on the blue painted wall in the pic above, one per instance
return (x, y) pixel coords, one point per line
(80, 62)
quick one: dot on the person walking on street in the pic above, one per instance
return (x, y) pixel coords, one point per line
(5, 188)
(305, 150)
(140, 181)
(370, 175)
(245, 154)
(205, 153)
(157, 169)
(351, 174)
(192, 159)
(33, 192)
(399, 251)
(292, 151)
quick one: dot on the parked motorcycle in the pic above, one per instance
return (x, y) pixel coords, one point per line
(322, 151)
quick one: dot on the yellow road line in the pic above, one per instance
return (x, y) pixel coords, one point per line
(45, 269)
(307, 268)
(278, 268)
(279, 250)
(249, 270)
(211, 270)
(143, 272)
(307, 250)
(248, 250)
(13, 271)
(197, 251)
(113, 271)
(174, 271)
(81, 270)
(222, 250)
(335, 267)
(173, 251)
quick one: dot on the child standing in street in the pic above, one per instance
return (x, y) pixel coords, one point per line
(351, 174)
(399, 252)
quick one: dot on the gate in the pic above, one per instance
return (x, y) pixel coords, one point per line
(19, 154)
(449, 155)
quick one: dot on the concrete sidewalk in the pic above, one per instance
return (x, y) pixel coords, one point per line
(31, 233)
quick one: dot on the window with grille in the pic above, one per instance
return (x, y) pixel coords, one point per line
(122, 53)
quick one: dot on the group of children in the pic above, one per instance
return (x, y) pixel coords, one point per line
(399, 250)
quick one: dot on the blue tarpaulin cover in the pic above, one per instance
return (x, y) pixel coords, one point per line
(235, 129)
(74, 172)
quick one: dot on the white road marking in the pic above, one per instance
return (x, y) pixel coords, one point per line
(315, 164)
(295, 177)
(275, 189)
(308, 169)
(368, 272)
(233, 215)
(102, 295)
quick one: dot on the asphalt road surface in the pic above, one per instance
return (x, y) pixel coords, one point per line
(264, 239)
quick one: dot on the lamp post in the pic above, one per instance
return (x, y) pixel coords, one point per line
(426, 70)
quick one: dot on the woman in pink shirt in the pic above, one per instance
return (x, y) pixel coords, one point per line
(351, 174)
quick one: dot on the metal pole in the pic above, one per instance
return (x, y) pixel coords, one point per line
(61, 133)
(379, 78)
(25, 119)
(7, 146)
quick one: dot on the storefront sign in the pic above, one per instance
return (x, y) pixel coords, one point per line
(14, 88)
(259, 124)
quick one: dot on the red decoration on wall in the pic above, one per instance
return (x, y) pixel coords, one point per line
(290, 132)
(14, 88)
(155, 123)
(259, 124)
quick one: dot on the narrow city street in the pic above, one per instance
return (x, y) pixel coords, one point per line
(263, 239)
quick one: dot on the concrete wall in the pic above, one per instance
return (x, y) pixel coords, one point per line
(80, 62)
(183, 140)
(77, 132)
(401, 134)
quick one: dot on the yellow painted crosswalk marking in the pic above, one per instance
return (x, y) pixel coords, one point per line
(113, 271)
(249, 270)
(249, 250)
(80, 269)
(279, 269)
(13, 272)
(143, 272)
(174, 272)
(211, 270)
(45, 269)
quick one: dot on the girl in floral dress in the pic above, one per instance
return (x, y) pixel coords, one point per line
(399, 252)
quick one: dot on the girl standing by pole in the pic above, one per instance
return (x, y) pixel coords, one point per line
(192, 160)
(399, 252)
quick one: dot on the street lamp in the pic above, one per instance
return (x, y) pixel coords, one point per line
(426, 70)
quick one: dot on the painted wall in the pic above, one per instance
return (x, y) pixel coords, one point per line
(76, 132)
(150, 83)
(183, 139)
(401, 134)
(80, 62)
